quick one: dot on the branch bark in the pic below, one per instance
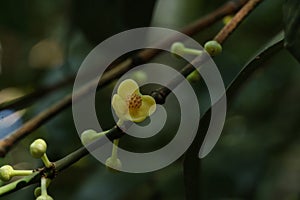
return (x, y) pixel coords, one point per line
(143, 56)
(236, 20)
(191, 161)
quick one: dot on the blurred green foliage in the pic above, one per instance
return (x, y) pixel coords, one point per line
(291, 16)
(257, 156)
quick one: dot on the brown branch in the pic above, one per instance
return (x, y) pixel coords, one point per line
(144, 56)
(141, 57)
(31, 98)
(191, 164)
(231, 92)
(116, 132)
(228, 8)
(236, 20)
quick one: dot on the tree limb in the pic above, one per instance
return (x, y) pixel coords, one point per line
(7, 143)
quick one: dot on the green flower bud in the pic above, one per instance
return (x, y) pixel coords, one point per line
(139, 76)
(178, 49)
(44, 197)
(90, 135)
(213, 47)
(113, 164)
(38, 148)
(6, 172)
(194, 76)
(227, 19)
(37, 192)
(43, 190)
(87, 136)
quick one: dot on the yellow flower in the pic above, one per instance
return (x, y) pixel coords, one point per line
(130, 104)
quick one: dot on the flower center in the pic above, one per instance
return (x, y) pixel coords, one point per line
(134, 101)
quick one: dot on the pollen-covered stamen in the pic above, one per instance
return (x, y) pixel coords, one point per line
(134, 101)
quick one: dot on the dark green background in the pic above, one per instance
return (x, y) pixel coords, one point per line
(257, 156)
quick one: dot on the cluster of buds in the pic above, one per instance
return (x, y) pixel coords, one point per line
(37, 150)
(211, 47)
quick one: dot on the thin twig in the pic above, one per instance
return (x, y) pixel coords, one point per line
(237, 83)
(29, 99)
(236, 20)
(60, 165)
(191, 165)
(145, 55)
(115, 132)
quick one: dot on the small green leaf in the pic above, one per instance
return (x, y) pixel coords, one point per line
(291, 14)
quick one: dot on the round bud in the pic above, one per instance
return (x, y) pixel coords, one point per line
(44, 197)
(194, 76)
(89, 136)
(177, 49)
(6, 172)
(113, 164)
(38, 148)
(227, 19)
(139, 76)
(213, 47)
(37, 191)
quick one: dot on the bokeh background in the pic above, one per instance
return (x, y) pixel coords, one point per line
(257, 156)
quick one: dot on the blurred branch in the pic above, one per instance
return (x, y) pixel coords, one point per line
(1, 52)
(236, 20)
(142, 57)
(31, 98)
(191, 162)
(61, 164)
(191, 157)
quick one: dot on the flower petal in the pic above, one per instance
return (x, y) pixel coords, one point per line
(137, 116)
(148, 107)
(150, 102)
(119, 105)
(127, 88)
